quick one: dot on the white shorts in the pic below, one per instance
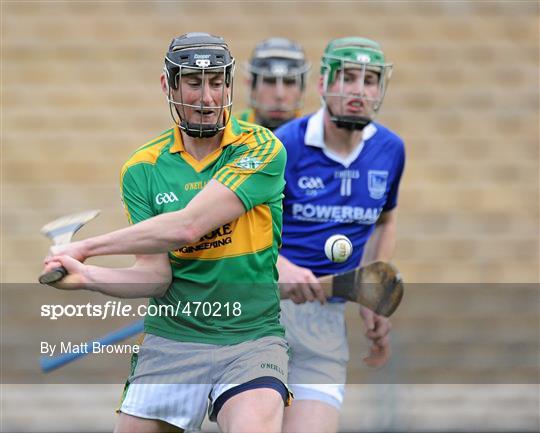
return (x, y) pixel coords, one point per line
(179, 382)
(317, 337)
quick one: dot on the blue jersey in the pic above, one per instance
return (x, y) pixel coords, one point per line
(326, 194)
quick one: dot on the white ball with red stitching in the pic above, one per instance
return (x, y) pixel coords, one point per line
(338, 248)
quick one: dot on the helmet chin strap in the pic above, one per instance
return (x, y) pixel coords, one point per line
(351, 123)
(195, 130)
(198, 130)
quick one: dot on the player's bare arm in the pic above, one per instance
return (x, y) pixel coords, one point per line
(164, 232)
(382, 242)
(380, 246)
(297, 283)
(377, 330)
(149, 276)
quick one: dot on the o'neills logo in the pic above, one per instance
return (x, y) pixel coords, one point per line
(274, 367)
(217, 238)
(195, 186)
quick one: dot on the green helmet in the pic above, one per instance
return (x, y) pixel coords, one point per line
(358, 53)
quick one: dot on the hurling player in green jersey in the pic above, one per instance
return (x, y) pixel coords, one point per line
(278, 72)
(204, 201)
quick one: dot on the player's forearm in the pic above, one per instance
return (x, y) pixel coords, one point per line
(126, 282)
(159, 234)
(214, 206)
(282, 264)
(382, 242)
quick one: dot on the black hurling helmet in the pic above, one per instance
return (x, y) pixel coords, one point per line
(277, 60)
(199, 53)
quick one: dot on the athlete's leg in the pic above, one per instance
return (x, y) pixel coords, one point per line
(250, 392)
(310, 416)
(253, 411)
(133, 424)
(168, 386)
(318, 365)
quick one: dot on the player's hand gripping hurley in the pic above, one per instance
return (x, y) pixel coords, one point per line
(60, 231)
(377, 286)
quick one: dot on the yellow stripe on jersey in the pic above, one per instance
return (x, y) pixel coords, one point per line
(232, 179)
(232, 175)
(225, 176)
(146, 154)
(232, 133)
(265, 145)
(270, 156)
(250, 233)
(126, 211)
(246, 124)
(260, 150)
(268, 153)
(149, 152)
(254, 131)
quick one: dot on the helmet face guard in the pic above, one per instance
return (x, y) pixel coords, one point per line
(281, 63)
(206, 56)
(360, 54)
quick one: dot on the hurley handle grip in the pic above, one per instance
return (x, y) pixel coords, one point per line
(53, 276)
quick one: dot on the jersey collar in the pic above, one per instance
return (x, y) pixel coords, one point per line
(315, 137)
(231, 134)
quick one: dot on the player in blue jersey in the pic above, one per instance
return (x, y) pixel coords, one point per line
(343, 174)
(277, 81)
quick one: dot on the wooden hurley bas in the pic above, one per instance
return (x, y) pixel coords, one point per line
(377, 286)
(60, 231)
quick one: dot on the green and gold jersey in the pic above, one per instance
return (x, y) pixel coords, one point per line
(224, 288)
(247, 115)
